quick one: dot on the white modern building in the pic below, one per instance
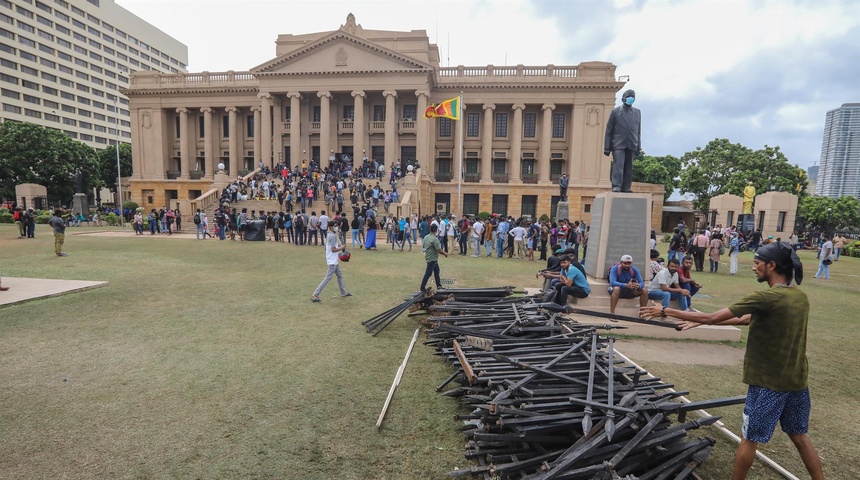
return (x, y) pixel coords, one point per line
(839, 171)
(65, 62)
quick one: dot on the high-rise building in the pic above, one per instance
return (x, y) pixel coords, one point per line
(65, 62)
(363, 93)
(839, 172)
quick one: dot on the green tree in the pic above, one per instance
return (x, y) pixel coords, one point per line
(725, 167)
(663, 170)
(107, 164)
(30, 153)
(828, 214)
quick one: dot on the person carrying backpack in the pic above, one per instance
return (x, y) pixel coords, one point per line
(198, 222)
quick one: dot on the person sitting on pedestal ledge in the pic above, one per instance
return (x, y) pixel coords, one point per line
(625, 281)
(686, 281)
(569, 281)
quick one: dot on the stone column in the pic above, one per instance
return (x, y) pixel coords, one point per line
(325, 127)
(391, 155)
(258, 136)
(295, 128)
(517, 143)
(208, 143)
(358, 125)
(423, 134)
(545, 142)
(184, 152)
(266, 129)
(234, 140)
(487, 144)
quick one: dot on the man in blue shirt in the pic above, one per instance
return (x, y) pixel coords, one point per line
(625, 281)
(501, 235)
(571, 281)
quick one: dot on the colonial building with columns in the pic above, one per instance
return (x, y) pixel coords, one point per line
(363, 93)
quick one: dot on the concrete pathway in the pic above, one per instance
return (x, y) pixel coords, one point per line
(26, 289)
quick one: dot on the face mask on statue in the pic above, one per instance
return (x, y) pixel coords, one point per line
(629, 100)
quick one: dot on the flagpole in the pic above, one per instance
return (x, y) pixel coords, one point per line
(460, 153)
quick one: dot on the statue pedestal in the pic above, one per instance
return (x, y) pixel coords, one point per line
(620, 225)
(562, 211)
(221, 179)
(746, 223)
(80, 204)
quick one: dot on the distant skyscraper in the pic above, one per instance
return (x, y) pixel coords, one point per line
(812, 177)
(839, 172)
(65, 64)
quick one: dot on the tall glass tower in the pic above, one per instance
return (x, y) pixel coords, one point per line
(839, 172)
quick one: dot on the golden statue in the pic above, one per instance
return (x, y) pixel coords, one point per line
(749, 195)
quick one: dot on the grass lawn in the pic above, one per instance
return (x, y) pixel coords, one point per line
(207, 360)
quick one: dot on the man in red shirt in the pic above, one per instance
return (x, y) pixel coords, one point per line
(685, 279)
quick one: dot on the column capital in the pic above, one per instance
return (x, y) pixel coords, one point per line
(256, 108)
(548, 106)
(518, 106)
(206, 109)
(390, 93)
(181, 110)
(324, 94)
(489, 106)
(294, 94)
(418, 93)
(264, 96)
(230, 109)
(358, 93)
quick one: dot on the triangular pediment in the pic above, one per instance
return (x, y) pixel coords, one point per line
(340, 52)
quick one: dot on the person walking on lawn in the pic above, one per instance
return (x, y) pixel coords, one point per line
(432, 248)
(332, 260)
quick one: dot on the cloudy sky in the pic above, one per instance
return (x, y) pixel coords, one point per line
(757, 72)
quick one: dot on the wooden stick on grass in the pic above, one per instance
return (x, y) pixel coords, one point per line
(397, 379)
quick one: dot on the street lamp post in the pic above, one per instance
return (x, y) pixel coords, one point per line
(118, 170)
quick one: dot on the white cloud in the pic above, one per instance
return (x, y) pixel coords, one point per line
(223, 35)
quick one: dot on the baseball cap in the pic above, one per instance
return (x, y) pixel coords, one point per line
(560, 250)
(626, 258)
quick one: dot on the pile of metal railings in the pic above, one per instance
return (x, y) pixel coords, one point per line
(417, 301)
(550, 399)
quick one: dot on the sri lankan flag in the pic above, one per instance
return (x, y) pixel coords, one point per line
(447, 109)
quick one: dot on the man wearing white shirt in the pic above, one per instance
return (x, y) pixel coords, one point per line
(519, 234)
(664, 286)
(477, 232)
(323, 222)
(450, 233)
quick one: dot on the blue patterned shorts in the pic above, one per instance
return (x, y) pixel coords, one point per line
(764, 407)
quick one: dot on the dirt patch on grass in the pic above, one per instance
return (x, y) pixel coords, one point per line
(687, 353)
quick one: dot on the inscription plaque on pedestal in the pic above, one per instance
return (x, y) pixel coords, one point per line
(620, 225)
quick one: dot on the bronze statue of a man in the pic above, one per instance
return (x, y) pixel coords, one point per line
(624, 140)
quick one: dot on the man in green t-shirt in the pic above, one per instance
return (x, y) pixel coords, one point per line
(775, 366)
(432, 247)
